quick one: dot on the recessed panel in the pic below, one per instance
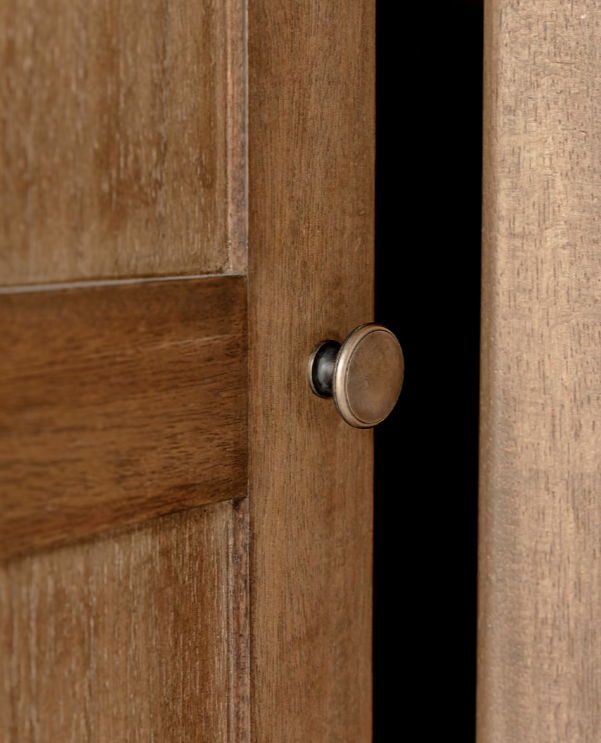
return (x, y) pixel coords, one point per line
(118, 122)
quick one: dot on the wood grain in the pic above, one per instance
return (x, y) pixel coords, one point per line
(240, 622)
(119, 402)
(311, 212)
(120, 139)
(539, 676)
(237, 125)
(128, 636)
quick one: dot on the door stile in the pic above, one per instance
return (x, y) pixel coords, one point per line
(311, 277)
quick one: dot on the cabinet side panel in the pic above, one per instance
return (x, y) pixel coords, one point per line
(539, 676)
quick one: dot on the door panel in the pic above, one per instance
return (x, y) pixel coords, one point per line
(132, 635)
(119, 402)
(117, 155)
(123, 130)
(540, 574)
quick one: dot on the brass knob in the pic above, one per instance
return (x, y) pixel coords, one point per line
(364, 375)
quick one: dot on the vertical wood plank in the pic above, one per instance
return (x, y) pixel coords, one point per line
(539, 676)
(237, 151)
(240, 624)
(133, 635)
(311, 180)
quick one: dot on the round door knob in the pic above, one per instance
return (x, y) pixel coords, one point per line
(364, 375)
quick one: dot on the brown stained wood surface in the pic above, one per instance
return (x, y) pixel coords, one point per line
(119, 147)
(237, 154)
(128, 636)
(119, 403)
(540, 528)
(311, 212)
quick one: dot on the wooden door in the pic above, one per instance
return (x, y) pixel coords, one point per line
(540, 580)
(186, 208)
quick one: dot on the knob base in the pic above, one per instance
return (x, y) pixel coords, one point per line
(321, 368)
